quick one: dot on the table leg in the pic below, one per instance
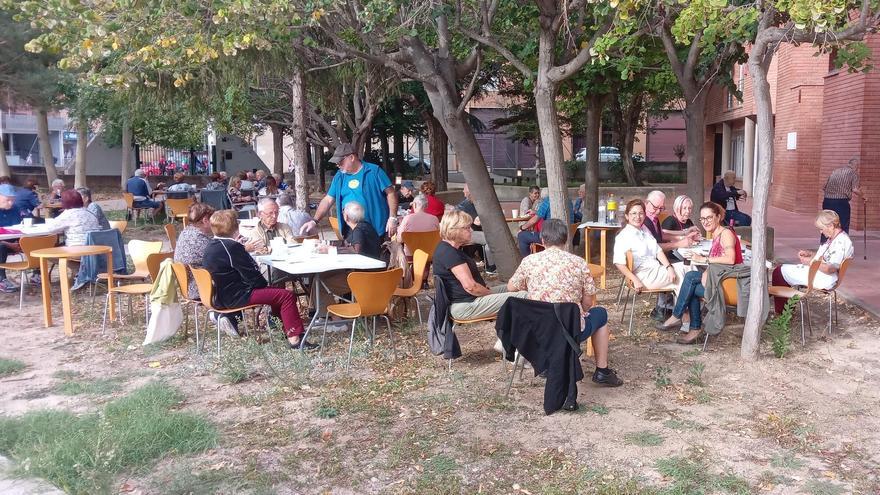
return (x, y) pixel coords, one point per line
(112, 303)
(316, 286)
(65, 296)
(46, 288)
(602, 246)
(587, 244)
(590, 351)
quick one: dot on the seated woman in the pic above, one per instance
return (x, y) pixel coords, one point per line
(236, 198)
(271, 187)
(238, 282)
(725, 250)
(831, 255)
(193, 240)
(651, 268)
(418, 221)
(679, 223)
(179, 184)
(216, 183)
(435, 206)
(75, 220)
(93, 208)
(469, 297)
(362, 237)
(288, 214)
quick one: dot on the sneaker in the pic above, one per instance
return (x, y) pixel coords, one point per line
(660, 314)
(609, 379)
(35, 279)
(227, 326)
(7, 286)
(303, 345)
(491, 270)
(212, 317)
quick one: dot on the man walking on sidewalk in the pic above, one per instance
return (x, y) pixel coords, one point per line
(839, 188)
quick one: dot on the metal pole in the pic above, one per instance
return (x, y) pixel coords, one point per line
(865, 227)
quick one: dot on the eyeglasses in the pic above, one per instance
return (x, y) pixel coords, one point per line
(658, 208)
(706, 219)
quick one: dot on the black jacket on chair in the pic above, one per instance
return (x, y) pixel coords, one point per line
(441, 338)
(545, 334)
(234, 272)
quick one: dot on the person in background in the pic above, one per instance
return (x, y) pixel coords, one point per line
(93, 208)
(260, 237)
(27, 201)
(477, 235)
(224, 178)
(526, 236)
(680, 223)
(289, 215)
(259, 180)
(406, 194)
(216, 183)
(235, 195)
(557, 276)
(247, 181)
(831, 253)
(7, 201)
(271, 187)
(838, 190)
(138, 187)
(10, 214)
(238, 281)
(435, 206)
(193, 240)
(418, 220)
(179, 184)
(577, 212)
(279, 179)
(75, 220)
(529, 204)
(54, 194)
(725, 193)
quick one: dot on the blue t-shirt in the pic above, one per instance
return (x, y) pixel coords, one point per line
(369, 191)
(350, 187)
(544, 210)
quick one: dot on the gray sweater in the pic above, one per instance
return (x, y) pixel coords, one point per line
(713, 299)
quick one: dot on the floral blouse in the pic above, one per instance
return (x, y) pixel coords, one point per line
(554, 276)
(190, 250)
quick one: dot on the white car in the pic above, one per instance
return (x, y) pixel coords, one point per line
(606, 154)
(413, 162)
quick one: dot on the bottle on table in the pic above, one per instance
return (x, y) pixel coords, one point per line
(611, 207)
(602, 210)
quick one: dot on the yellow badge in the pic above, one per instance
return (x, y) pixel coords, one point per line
(353, 184)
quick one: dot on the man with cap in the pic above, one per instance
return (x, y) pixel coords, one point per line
(362, 182)
(140, 189)
(406, 195)
(7, 201)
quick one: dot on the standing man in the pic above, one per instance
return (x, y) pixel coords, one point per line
(839, 188)
(362, 182)
(725, 193)
(477, 237)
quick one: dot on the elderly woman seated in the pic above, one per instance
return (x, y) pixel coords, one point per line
(179, 184)
(93, 208)
(680, 223)
(76, 221)
(294, 218)
(238, 282)
(725, 250)
(831, 254)
(468, 295)
(193, 240)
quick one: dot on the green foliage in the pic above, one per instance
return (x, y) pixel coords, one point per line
(82, 454)
(695, 374)
(76, 385)
(854, 56)
(779, 329)
(661, 377)
(695, 477)
(643, 439)
(10, 366)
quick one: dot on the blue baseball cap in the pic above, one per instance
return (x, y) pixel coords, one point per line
(7, 190)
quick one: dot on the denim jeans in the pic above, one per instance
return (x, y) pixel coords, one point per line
(525, 239)
(739, 218)
(689, 298)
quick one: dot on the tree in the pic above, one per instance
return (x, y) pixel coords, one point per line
(826, 25)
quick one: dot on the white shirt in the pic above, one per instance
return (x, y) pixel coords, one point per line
(834, 251)
(642, 244)
(76, 222)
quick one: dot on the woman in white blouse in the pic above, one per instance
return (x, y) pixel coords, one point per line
(651, 268)
(831, 254)
(75, 220)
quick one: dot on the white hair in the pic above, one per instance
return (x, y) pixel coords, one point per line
(353, 212)
(421, 200)
(545, 192)
(57, 182)
(660, 195)
(285, 200)
(137, 173)
(265, 202)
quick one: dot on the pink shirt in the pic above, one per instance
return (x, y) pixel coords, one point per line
(418, 222)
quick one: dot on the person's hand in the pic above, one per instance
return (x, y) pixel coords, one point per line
(670, 272)
(252, 245)
(391, 225)
(308, 226)
(638, 286)
(743, 194)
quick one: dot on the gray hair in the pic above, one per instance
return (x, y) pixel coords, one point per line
(57, 182)
(138, 173)
(656, 194)
(278, 177)
(421, 200)
(264, 203)
(545, 192)
(353, 212)
(285, 200)
(85, 192)
(534, 188)
(554, 232)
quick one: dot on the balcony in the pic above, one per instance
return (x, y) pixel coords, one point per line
(27, 123)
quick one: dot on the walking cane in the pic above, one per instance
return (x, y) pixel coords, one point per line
(865, 229)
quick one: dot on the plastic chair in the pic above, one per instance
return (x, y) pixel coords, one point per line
(139, 251)
(426, 241)
(536, 247)
(833, 291)
(130, 208)
(182, 277)
(218, 199)
(119, 225)
(334, 224)
(372, 293)
(631, 288)
(171, 232)
(29, 244)
(206, 298)
(154, 262)
(179, 207)
(596, 271)
(420, 266)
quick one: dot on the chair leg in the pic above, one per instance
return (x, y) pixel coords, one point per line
(418, 309)
(625, 302)
(351, 341)
(196, 318)
(705, 342)
(835, 308)
(323, 335)
(632, 312)
(620, 290)
(803, 334)
(21, 291)
(830, 317)
(104, 320)
(390, 336)
(809, 317)
(512, 376)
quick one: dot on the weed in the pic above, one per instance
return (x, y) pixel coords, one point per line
(786, 460)
(691, 476)
(326, 411)
(83, 386)
(692, 353)
(779, 329)
(821, 487)
(643, 439)
(788, 432)
(10, 366)
(695, 375)
(684, 424)
(661, 377)
(768, 479)
(439, 476)
(703, 397)
(81, 454)
(599, 409)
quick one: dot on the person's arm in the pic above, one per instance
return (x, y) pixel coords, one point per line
(588, 301)
(524, 206)
(391, 197)
(519, 280)
(323, 207)
(463, 274)
(637, 284)
(529, 223)
(728, 244)
(664, 261)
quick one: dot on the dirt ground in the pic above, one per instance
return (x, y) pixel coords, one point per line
(684, 422)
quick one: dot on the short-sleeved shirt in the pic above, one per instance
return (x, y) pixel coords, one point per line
(468, 207)
(76, 222)
(642, 244)
(840, 183)
(544, 210)
(138, 187)
(350, 187)
(554, 276)
(446, 258)
(368, 189)
(835, 250)
(365, 235)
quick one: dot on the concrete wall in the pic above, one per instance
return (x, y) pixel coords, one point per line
(235, 155)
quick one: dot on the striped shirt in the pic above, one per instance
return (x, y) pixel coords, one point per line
(840, 183)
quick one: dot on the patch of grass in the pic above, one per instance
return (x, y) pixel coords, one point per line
(788, 432)
(599, 409)
(82, 454)
(661, 377)
(10, 367)
(695, 375)
(684, 425)
(822, 487)
(643, 439)
(439, 476)
(692, 353)
(786, 460)
(703, 397)
(76, 385)
(326, 411)
(693, 477)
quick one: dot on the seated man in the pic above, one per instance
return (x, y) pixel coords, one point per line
(557, 276)
(526, 237)
(7, 200)
(529, 204)
(140, 189)
(179, 184)
(259, 239)
(287, 213)
(725, 193)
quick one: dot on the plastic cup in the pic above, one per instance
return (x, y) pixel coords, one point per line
(514, 213)
(27, 222)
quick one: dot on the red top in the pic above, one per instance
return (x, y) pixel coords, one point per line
(717, 249)
(435, 206)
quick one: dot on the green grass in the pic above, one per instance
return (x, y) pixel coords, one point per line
(643, 439)
(326, 411)
(661, 377)
(599, 409)
(786, 460)
(10, 367)
(82, 454)
(821, 487)
(694, 477)
(684, 425)
(75, 384)
(695, 375)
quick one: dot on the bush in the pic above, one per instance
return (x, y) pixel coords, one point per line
(779, 329)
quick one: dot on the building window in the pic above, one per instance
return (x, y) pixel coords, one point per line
(729, 99)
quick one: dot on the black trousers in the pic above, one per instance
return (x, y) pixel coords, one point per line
(841, 207)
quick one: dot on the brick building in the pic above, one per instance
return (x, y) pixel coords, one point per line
(823, 117)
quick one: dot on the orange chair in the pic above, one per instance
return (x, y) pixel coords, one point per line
(179, 207)
(154, 261)
(29, 244)
(131, 209)
(334, 224)
(420, 266)
(119, 225)
(139, 251)
(171, 232)
(180, 274)
(426, 241)
(206, 298)
(631, 288)
(372, 293)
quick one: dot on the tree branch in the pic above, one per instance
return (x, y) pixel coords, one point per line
(469, 93)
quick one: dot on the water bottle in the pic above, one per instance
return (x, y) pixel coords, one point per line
(602, 210)
(612, 209)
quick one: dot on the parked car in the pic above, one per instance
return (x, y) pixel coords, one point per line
(606, 154)
(413, 162)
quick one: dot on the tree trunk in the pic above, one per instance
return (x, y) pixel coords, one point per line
(399, 162)
(45, 146)
(695, 134)
(551, 141)
(438, 145)
(759, 62)
(298, 133)
(82, 142)
(278, 148)
(126, 168)
(386, 152)
(590, 207)
(4, 165)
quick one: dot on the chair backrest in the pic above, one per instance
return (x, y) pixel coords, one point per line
(596, 271)
(154, 263)
(119, 225)
(247, 193)
(171, 232)
(629, 266)
(729, 287)
(129, 199)
(182, 278)
(536, 247)
(841, 272)
(140, 250)
(245, 214)
(662, 216)
(420, 267)
(218, 199)
(178, 206)
(372, 291)
(205, 285)
(426, 241)
(29, 244)
(177, 195)
(334, 224)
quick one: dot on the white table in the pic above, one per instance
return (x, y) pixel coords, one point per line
(296, 263)
(30, 231)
